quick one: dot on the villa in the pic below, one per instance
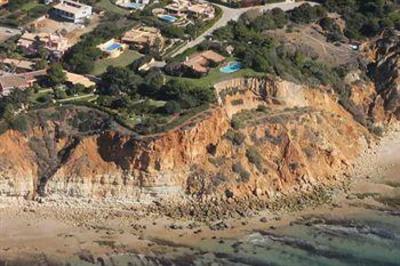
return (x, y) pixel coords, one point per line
(185, 9)
(177, 8)
(201, 10)
(19, 81)
(132, 4)
(72, 11)
(112, 48)
(144, 37)
(55, 43)
(200, 63)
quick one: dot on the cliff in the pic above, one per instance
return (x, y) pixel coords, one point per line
(266, 138)
(300, 138)
(386, 72)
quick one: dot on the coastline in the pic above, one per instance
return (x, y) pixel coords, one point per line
(31, 232)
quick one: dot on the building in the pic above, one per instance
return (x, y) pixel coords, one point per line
(132, 4)
(76, 79)
(190, 9)
(112, 48)
(201, 11)
(3, 3)
(18, 65)
(177, 8)
(200, 63)
(55, 43)
(19, 81)
(72, 11)
(144, 37)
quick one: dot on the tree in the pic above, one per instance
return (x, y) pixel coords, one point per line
(56, 75)
(120, 80)
(154, 81)
(41, 64)
(172, 107)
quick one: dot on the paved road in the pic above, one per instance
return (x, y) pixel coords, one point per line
(229, 14)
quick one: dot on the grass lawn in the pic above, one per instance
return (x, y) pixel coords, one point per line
(35, 96)
(100, 66)
(28, 6)
(111, 7)
(87, 97)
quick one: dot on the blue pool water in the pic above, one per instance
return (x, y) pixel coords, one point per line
(113, 47)
(168, 18)
(231, 67)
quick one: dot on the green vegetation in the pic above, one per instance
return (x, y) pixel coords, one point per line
(21, 12)
(80, 57)
(258, 51)
(56, 75)
(215, 76)
(235, 137)
(125, 59)
(366, 18)
(244, 175)
(254, 157)
(111, 7)
(151, 103)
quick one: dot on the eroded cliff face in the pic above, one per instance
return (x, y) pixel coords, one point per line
(265, 138)
(387, 72)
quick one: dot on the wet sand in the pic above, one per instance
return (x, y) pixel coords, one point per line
(35, 233)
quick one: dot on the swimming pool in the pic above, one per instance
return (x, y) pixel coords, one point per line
(168, 18)
(231, 67)
(113, 47)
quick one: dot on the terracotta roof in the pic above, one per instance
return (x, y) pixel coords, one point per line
(199, 62)
(79, 79)
(20, 81)
(22, 64)
(213, 56)
(12, 81)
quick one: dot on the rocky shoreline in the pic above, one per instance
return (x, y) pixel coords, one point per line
(122, 229)
(208, 210)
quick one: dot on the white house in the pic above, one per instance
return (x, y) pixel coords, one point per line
(72, 11)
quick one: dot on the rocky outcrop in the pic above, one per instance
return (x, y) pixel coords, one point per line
(387, 72)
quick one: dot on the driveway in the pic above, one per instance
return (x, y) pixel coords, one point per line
(229, 14)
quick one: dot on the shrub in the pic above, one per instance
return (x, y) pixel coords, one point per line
(237, 102)
(219, 179)
(254, 157)
(236, 123)
(243, 173)
(235, 137)
(172, 107)
(19, 123)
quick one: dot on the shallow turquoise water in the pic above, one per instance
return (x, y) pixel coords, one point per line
(231, 67)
